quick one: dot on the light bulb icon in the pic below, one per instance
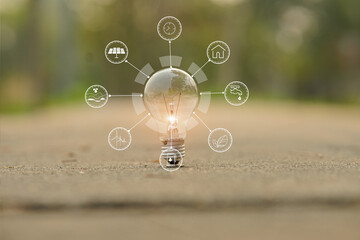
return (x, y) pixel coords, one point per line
(171, 95)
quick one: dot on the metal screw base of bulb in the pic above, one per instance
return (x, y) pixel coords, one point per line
(177, 144)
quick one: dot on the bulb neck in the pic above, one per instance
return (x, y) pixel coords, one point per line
(175, 143)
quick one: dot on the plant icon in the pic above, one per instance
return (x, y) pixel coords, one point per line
(221, 141)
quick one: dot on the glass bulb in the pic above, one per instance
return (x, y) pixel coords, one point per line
(171, 96)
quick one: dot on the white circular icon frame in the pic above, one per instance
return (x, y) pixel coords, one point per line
(214, 45)
(123, 129)
(229, 101)
(177, 153)
(91, 87)
(126, 52)
(160, 29)
(224, 130)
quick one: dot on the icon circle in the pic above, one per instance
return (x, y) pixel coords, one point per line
(218, 52)
(96, 96)
(168, 157)
(220, 140)
(116, 52)
(119, 138)
(169, 28)
(236, 93)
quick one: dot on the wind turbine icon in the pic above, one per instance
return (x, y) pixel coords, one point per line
(118, 139)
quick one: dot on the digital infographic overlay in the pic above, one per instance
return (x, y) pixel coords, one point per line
(171, 99)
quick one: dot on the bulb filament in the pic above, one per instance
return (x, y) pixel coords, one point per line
(172, 115)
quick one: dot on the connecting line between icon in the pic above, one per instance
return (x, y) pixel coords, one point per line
(137, 69)
(170, 54)
(235, 93)
(209, 93)
(128, 95)
(139, 122)
(202, 121)
(200, 68)
(171, 139)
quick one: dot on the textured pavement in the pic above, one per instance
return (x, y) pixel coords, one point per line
(293, 172)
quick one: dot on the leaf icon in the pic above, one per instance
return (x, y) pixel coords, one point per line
(221, 142)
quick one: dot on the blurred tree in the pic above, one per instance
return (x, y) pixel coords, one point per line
(306, 49)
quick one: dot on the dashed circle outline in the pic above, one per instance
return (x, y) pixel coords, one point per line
(239, 104)
(163, 19)
(119, 149)
(116, 41)
(173, 169)
(107, 96)
(220, 129)
(222, 42)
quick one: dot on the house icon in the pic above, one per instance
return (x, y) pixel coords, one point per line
(218, 52)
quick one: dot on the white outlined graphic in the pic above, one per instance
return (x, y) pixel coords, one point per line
(126, 95)
(147, 76)
(170, 159)
(200, 68)
(220, 140)
(169, 28)
(170, 95)
(119, 138)
(218, 52)
(116, 52)
(147, 115)
(96, 96)
(202, 121)
(236, 93)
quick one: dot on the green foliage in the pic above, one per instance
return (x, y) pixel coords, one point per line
(53, 50)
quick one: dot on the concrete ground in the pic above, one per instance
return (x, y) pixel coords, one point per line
(293, 172)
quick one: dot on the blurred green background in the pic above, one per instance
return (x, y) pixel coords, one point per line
(52, 50)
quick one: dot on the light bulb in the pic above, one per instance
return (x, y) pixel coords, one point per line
(171, 96)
